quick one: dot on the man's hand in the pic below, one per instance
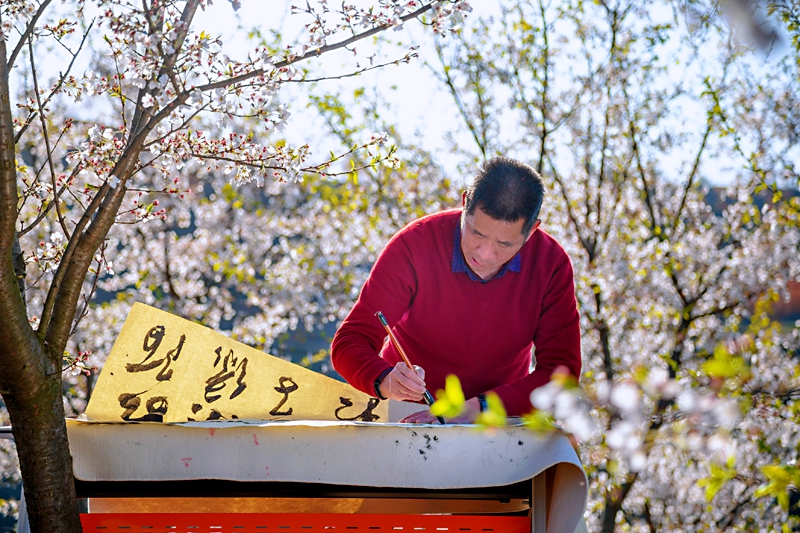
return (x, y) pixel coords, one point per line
(472, 409)
(404, 383)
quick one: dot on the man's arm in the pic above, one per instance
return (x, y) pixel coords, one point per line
(557, 340)
(390, 288)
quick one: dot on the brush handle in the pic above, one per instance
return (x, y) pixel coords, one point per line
(426, 395)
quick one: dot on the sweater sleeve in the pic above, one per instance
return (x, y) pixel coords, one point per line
(390, 288)
(556, 340)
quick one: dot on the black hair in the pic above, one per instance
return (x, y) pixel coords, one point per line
(507, 190)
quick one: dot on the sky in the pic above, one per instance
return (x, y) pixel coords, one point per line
(416, 102)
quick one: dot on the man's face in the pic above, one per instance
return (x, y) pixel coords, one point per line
(487, 244)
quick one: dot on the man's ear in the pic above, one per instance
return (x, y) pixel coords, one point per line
(533, 229)
(464, 199)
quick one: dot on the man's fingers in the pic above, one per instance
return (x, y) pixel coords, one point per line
(404, 383)
(420, 417)
(409, 385)
(415, 375)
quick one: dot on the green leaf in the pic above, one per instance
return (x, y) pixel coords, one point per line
(450, 401)
(495, 413)
(720, 475)
(727, 366)
(540, 422)
(779, 479)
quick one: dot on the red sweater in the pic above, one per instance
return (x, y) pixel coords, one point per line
(449, 324)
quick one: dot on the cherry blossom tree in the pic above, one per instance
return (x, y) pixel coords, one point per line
(159, 108)
(688, 415)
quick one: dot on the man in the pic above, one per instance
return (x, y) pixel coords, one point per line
(467, 292)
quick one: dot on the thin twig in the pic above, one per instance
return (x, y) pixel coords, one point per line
(49, 156)
(57, 87)
(26, 35)
(311, 53)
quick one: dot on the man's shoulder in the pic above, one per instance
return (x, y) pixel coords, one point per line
(543, 245)
(435, 223)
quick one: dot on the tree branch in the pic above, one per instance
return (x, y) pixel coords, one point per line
(57, 87)
(448, 81)
(22, 355)
(311, 53)
(49, 205)
(643, 176)
(88, 298)
(545, 86)
(69, 290)
(45, 135)
(28, 30)
(66, 258)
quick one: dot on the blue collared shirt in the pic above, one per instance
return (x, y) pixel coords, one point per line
(458, 264)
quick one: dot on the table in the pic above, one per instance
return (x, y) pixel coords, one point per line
(317, 475)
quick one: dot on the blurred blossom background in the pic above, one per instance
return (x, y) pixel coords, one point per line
(667, 135)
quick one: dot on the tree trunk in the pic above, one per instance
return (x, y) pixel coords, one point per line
(41, 438)
(18, 259)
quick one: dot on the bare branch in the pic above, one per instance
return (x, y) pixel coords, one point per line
(311, 53)
(358, 72)
(61, 272)
(46, 136)
(480, 141)
(74, 269)
(88, 298)
(55, 90)
(8, 165)
(27, 33)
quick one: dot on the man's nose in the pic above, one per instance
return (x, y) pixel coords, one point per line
(485, 251)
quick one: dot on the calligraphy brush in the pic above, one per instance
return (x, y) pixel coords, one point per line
(426, 395)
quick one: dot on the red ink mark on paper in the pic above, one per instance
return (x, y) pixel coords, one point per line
(267, 470)
(212, 431)
(255, 439)
(186, 461)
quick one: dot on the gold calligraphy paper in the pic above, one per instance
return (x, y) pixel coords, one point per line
(167, 369)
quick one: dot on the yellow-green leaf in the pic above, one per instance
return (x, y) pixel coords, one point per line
(495, 413)
(450, 401)
(720, 475)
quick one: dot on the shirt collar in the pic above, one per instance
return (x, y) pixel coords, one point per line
(459, 265)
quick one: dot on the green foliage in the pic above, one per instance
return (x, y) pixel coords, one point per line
(540, 422)
(727, 366)
(720, 475)
(450, 401)
(310, 360)
(495, 413)
(779, 479)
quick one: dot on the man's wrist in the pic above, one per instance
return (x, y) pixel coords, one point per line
(376, 385)
(482, 404)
